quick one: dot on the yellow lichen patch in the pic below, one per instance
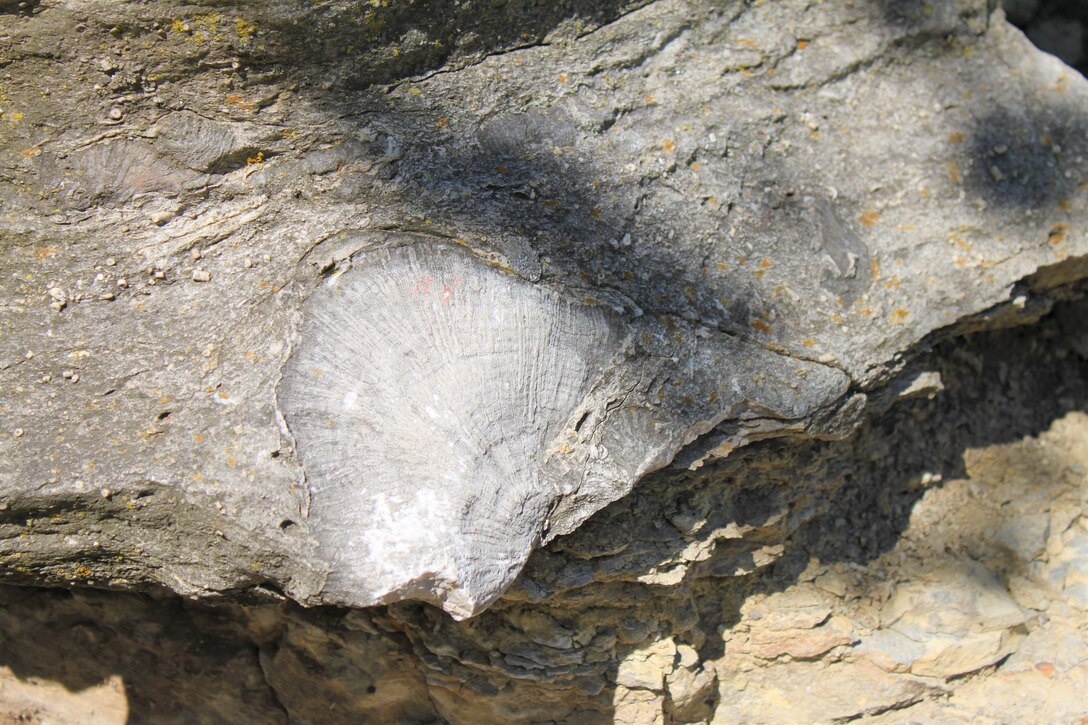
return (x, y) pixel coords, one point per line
(761, 326)
(893, 283)
(956, 137)
(564, 78)
(650, 100)
(41, 253)
(245, 29)
(258, 159)
(668, 145)
(954, 172)
(1057, 233)
(899, 315)
(564, 448)
(874, 269)
(869, 218)
(809, 342)
(31, 152)
(253, 357)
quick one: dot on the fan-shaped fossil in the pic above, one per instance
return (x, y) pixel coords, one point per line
(425, 394)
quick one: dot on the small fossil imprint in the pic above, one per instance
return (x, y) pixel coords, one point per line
(426, 393)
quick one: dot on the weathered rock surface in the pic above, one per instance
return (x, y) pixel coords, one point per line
(594, 318)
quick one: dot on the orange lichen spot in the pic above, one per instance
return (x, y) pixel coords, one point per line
(869, 218)
(253, 357)
(41, 253)
(650, 100)
(866, 311)
(761, 326)
(590, 300)
(232, 461)
(695, 166)
(564, 448)
(441, 122)
(238, 101)
(1045, 668)
(82, 572)
(837, 318)
(712, 201)
(564, 78)
(31, 152)
(722, 266)
(874, 269)
(741, 260)
(1057, 233)
(809, 342)
(223, 395)
(164, 399)
(802, 44)
(595, 212)
(954, 172)
(197, 437)
(668, 145)
(899, 315)
(258, 159)
(765, 264)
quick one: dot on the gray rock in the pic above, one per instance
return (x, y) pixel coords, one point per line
(741, 220)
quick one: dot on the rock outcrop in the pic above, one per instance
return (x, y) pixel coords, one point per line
(573, 322)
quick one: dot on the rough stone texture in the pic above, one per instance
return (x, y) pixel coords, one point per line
(749, 223)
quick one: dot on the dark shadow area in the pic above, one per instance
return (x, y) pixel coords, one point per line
(1059, 27)
(1027, 157)
(363, 43)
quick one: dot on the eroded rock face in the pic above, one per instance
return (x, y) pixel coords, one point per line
(740, 223)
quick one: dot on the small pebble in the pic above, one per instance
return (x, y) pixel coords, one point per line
(201, 275)
(122, 282)
(105, 493)
(108, 296)
(248, 264)
(29, 355)
(116, 113)
(45, 379)
(58, 294)
(268, 257)
(110, 261)
(159, 274)
(161, 217)
(18, 432)
(195, 254)
(67, 374)
(75, 378)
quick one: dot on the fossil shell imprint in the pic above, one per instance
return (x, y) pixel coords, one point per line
(425, 394)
